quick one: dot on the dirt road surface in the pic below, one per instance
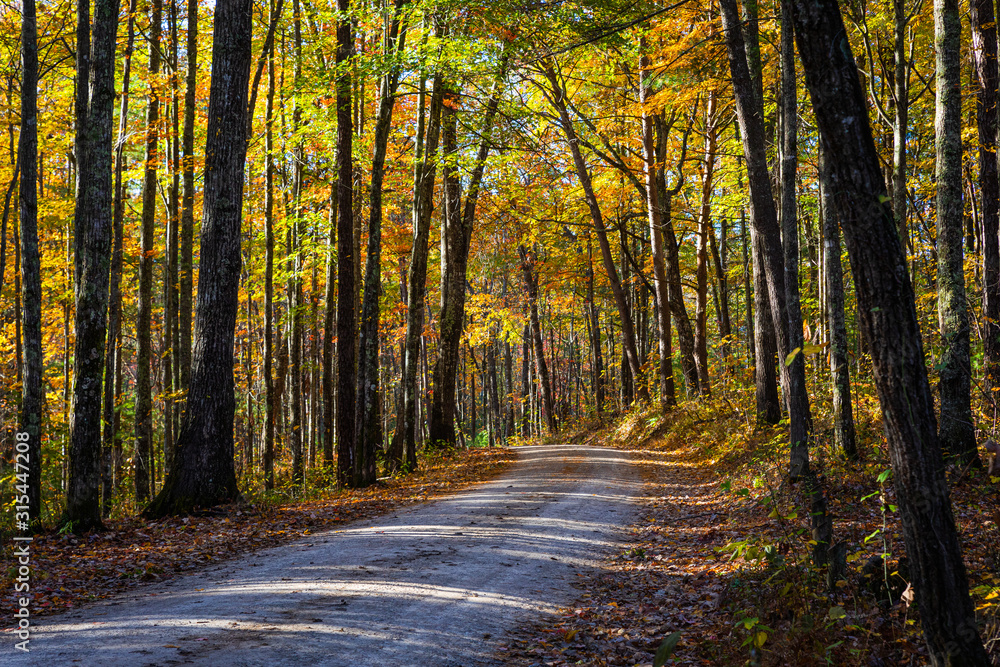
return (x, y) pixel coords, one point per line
(435, 585)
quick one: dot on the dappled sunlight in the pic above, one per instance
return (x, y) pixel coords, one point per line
(446, 575)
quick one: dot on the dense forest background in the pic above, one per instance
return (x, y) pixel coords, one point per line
(470, 223)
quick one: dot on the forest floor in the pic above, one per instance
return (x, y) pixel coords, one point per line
(73, 570)
(717, 561)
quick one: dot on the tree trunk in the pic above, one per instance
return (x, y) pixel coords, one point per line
(840, 373)
(269, 401)
(956, 428)
(984, 53)
(31, 271)
(204, 473)
(531, 285)
(704, 233)
(798, 397)
(595, 332)
(425, 167)
(186, 297)
(144, 375)
(93, 227)
(112, 382)
(171, 374)
(294, 284)
(666, 371)
(368, 419)
(525, 382)
(763, 217)
(456, 239)
(347, 328)
(765, 348)
(889, 322)
(675, 295)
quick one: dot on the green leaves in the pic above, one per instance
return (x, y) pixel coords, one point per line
(666, 649)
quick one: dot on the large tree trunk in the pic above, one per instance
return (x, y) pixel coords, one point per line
(112, 366)
(31, 271)
(763, 344)
(889, 322)
(666, 371)
(765, 348)
(541, 368)
(788, 151)
(347, 328)
(144, 375)
(984, 54)
(204, 473)
(840, 373)
(368, 418)
(95, 110)
(763, 217)
(557, 97)
(956, 428)
(456, 239)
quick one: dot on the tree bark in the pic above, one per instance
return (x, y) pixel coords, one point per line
(956, 428)
(840, 370)
(294, 285)
(347, 328)
(889, 322)
(96, 64)
(144, 375)
(269, 400)
(790, 241)
(112, 382)
(763, 217)
(31, 270)
(765, 348)
(204, 473)
(984, 55)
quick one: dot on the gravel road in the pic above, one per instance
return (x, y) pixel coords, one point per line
(434, 585)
